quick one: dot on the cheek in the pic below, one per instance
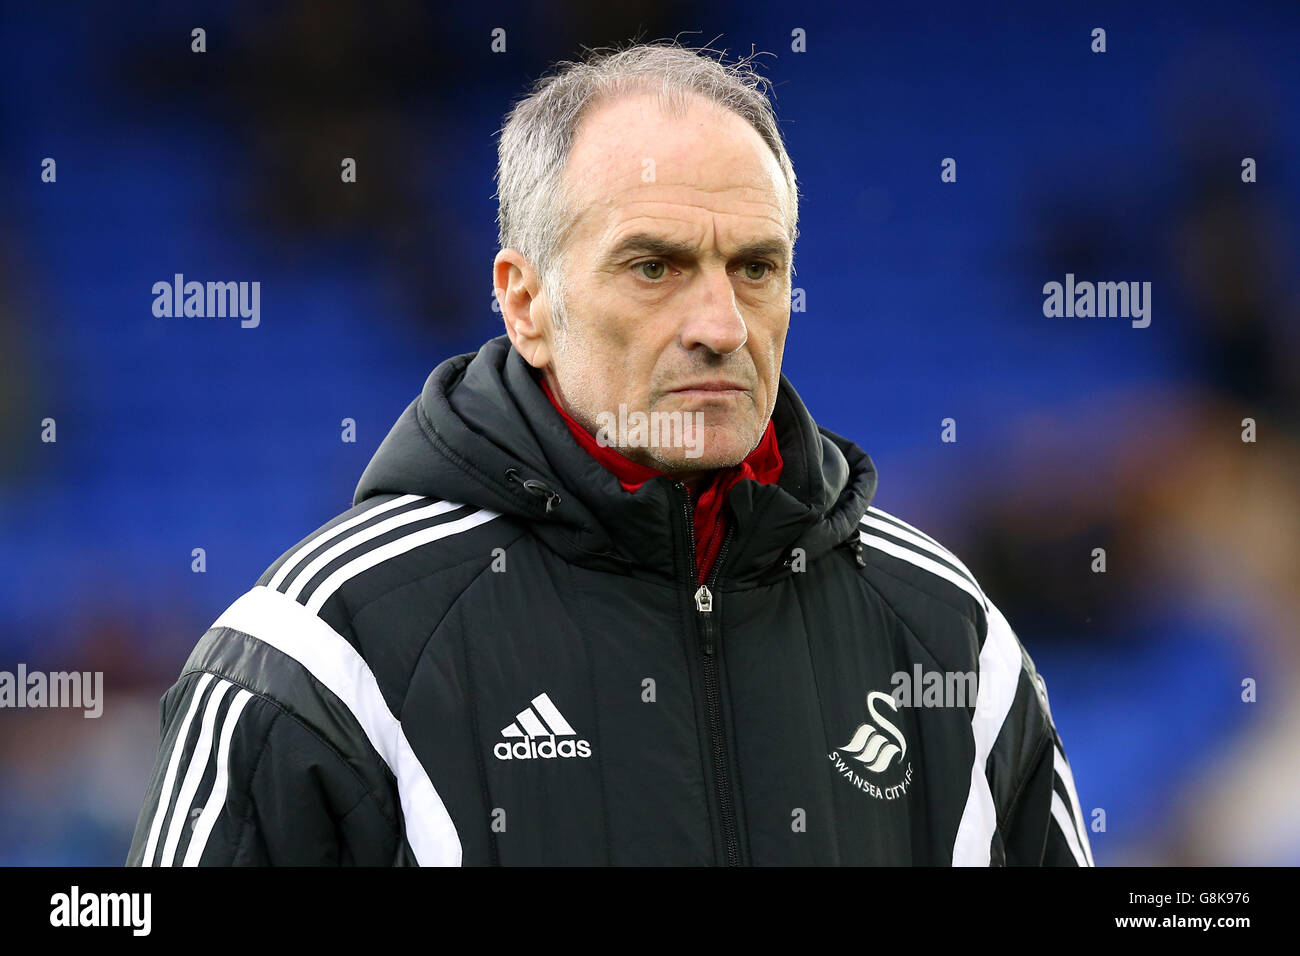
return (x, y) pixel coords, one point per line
(632, 342)
(770, 364)
(772, 345)
(778, 350)
(604, 360)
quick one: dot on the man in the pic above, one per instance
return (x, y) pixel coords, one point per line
(608, 595)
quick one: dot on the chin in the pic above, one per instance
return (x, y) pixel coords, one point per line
(722, 453)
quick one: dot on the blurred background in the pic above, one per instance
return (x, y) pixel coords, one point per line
(924, 302)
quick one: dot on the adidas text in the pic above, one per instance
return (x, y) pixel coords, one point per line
(545, 748)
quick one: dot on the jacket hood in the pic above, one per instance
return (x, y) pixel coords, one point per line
(483, 433)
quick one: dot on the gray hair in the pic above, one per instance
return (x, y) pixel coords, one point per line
(533, 208)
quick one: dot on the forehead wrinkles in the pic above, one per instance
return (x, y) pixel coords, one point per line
(694, 211)
(722, 232)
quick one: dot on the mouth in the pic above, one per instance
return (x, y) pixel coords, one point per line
(714, 389)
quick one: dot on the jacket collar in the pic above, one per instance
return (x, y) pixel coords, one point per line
(484, 433)
(762, 464)
(709, 497)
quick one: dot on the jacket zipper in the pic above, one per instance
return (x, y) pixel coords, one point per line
(705, 630)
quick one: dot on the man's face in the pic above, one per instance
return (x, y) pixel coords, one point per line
(677, 281)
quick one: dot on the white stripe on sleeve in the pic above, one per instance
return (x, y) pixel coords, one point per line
(1062, 818)
(286, 625)
(315, 542)
(921, 561)
(304, 577)
(925, 544)
(169, 780)
(391, 550)
(216, 799)
(194, 775)
(999, 674)
(1063, 771)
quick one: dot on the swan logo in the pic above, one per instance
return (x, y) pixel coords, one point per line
(874, 746)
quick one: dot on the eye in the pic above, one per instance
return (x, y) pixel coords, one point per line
(653, 269)
(764, 268)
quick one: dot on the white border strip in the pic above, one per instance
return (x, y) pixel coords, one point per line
(921, 561)
(217, 798)
(1062, 768)
(924, 544)
(314, 542)
(999, 674)
(194, 775)
(872, 509)
(169, 781)
(391, 550)
(318, 563)
(286, 625)
(1062, 818)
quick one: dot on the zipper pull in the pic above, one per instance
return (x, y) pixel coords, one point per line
(704, 604)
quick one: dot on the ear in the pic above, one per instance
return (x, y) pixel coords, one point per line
(524, 308)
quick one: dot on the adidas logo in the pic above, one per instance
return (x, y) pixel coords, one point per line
(534, 731)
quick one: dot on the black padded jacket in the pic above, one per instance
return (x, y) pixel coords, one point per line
(499, 656)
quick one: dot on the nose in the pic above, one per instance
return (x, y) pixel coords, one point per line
(712, 319)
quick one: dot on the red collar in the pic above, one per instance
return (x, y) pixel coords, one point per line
(763, 465)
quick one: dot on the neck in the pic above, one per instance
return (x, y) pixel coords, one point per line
(695, 480)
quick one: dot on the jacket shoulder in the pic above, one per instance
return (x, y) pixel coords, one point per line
(893, 547)
(346, 612)
(379, 544)
(383, 574)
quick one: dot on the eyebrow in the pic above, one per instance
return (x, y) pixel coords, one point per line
(645, 243)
